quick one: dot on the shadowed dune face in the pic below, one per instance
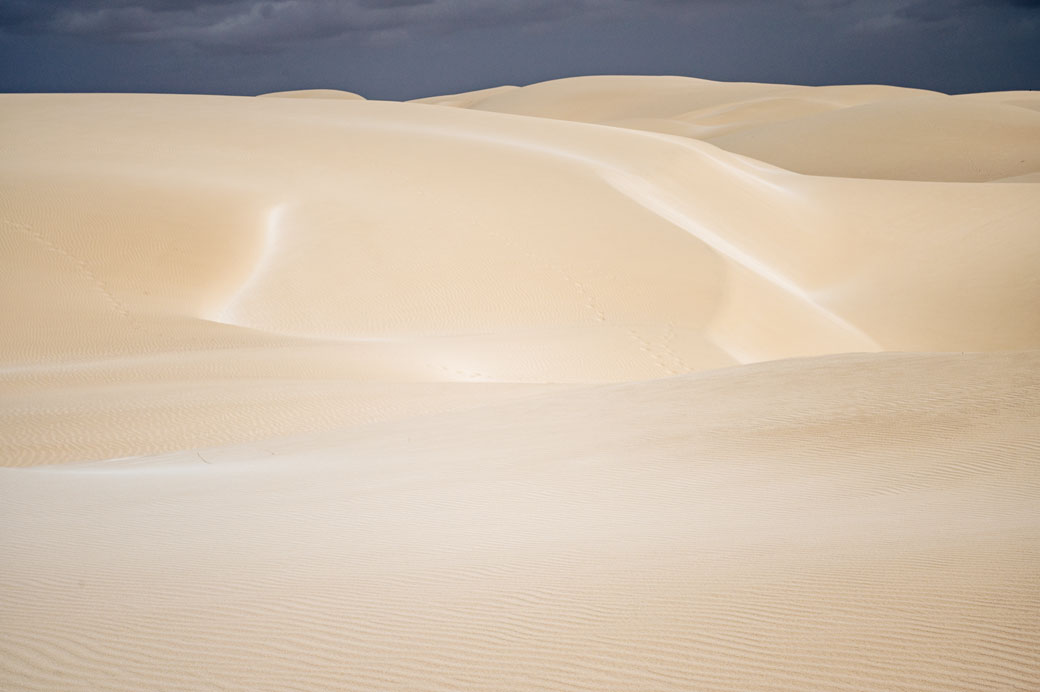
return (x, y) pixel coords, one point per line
(580, 385)
(931, 138)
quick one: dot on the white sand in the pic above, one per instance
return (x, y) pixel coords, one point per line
(318, 393)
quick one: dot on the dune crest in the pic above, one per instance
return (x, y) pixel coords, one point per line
(314, 94)
(601, 383)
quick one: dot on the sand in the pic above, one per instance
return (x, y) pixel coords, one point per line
(602, 383)
(843, 131)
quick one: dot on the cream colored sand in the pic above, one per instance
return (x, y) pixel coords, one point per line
(314, 94)
(323, 393)
(847, 131)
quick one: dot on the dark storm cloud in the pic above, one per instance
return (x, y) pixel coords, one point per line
(408, 48)
(273, 23)
(248, 22)
(242, 22)
(938, 10)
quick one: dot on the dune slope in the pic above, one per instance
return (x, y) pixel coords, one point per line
(603, 383)
(411, 244)
(845, 522)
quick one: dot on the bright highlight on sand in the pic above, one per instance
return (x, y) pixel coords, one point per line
(606, 383)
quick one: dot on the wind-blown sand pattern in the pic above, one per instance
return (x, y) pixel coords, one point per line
(598, 384)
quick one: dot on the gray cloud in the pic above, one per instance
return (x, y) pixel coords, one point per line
(939, 10)
(408, 48)
(275, 23)
(266, 23)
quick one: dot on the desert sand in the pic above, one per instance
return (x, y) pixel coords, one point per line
(606, 383)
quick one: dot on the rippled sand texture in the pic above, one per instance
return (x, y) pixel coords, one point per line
(598, 384)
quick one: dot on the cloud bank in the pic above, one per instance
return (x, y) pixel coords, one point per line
(270, 24)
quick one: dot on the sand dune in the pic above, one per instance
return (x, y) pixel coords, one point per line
(314, 94)
(848, 522)
(374, 234)
(582, 385)
(923, 139)
(844, 131)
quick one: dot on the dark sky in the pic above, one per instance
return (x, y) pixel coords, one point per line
(398, 49)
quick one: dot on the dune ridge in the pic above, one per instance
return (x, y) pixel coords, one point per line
(600, 383)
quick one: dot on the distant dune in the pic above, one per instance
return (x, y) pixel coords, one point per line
(842, 131)
(634, 383)
(314, 94)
